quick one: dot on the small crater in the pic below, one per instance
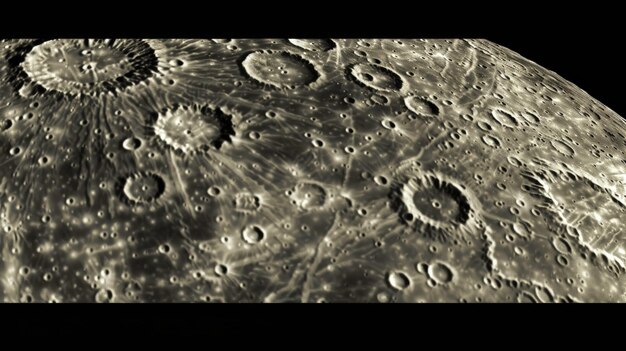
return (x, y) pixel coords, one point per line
(514, 161)
(421, 106)
(388, 124)
(104, 296)
(562, 147)
(562, 260)
(253, 234)
(381, 180)
(561, 245)
(14, 151)
(521, 230)
(380, 99)
(491, 141)
(43, 160)
(375, 77)
(504, 118)
(398, 280)
(440, 272)
(484, 126)
(5, 125)
(221, 269)
(140, 188)
(530, 117)
(214, 191)
(164, 248)
(131, 143)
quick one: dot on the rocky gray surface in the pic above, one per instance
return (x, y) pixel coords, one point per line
(304, 170)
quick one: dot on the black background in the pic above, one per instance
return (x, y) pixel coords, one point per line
(582, 43)
(595, 65)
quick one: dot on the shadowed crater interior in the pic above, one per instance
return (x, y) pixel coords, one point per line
(431, 200)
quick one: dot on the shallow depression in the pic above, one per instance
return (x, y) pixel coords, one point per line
(280, 69)
(375, 77)
(421, 106)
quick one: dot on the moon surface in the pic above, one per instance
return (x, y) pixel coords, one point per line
(304, 170)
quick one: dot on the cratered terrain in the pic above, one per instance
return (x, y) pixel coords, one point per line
(304, 170)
